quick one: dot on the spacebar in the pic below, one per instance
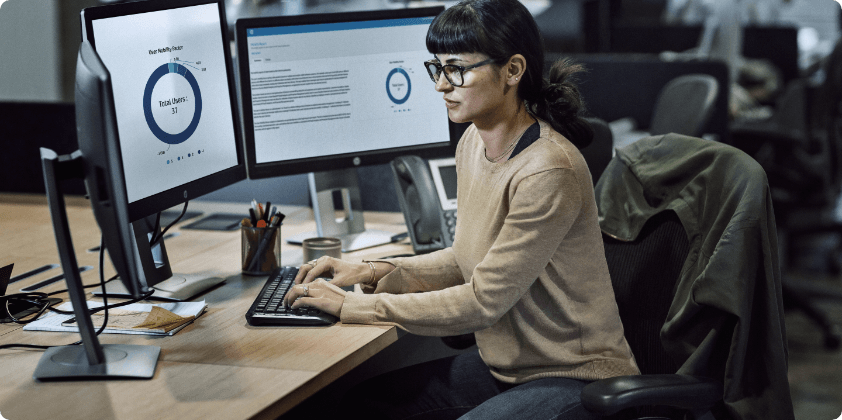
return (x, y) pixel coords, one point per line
(287, 317)
(284, 316)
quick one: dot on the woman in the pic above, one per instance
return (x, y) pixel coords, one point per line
(526, 272)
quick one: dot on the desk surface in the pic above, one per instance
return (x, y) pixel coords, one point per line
(218, 367)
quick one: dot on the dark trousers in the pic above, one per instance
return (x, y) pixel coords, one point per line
(462, 387)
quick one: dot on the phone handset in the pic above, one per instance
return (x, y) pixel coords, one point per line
(419, 202)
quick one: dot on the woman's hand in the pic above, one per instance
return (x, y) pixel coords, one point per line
(318, 294)
(343, 273)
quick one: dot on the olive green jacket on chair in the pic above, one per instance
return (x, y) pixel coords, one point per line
(726, 320)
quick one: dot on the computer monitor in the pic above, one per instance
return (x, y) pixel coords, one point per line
(177, 132)
(149, 138)
(325, 93)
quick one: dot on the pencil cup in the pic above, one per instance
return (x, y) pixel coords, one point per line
(261, 249)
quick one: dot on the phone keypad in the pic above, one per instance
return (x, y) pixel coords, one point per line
(450, 221)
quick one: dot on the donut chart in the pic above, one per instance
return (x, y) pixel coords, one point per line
(160, 72)
(398, 86)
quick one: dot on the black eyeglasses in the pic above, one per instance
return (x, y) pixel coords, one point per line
(452, 72)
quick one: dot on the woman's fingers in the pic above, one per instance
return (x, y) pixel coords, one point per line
(295, 292)
(319, 294)
(310, 270)
(302, 271)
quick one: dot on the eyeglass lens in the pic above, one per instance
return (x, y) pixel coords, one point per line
(452, 73)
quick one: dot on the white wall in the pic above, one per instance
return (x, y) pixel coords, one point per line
(29, 47)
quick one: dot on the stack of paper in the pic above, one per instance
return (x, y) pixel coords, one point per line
(137, 318)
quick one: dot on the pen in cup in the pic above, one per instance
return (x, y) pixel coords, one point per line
(267, 238)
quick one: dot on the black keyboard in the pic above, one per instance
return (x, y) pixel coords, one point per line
(268, 308)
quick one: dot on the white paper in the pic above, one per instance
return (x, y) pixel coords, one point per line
(53, 321)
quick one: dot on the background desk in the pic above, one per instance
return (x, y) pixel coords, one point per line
(219, 367)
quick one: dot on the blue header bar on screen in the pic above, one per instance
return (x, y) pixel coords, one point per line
(340, 26)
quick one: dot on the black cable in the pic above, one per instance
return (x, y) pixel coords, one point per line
(87, 286)
(155, 235)
(104, 307)
(102, 286)
(155, 229)
(35, 299)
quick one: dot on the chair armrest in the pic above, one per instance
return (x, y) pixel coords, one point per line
(609, 396)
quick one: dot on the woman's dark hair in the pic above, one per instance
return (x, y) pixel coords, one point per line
(501, 29)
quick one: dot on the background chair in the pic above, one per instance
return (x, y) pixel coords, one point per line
(616, 86)
(690, 243)
(800, 147)
(685, 105)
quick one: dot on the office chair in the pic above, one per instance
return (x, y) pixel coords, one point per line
(799, 147)
(690, 241)
(685, 105)
(599, 152)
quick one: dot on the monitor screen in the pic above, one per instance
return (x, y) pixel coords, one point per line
(176, 121)
(322, 92)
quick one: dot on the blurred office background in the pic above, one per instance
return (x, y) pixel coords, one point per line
(759, 46)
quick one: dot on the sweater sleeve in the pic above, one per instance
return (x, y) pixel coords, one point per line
(421, 273)
(542, 209)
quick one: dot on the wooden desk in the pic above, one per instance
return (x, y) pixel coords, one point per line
(219, 367)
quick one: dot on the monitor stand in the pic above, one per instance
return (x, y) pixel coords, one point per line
(157, 271)
(91, 360)
(350, 228)
(179, 287)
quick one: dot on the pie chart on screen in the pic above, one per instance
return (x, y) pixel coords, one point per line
(398, 86)
(172, 103)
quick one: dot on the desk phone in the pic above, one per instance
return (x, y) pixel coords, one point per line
(427, 196)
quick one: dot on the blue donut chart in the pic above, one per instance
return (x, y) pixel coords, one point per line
(160, 72)
(395, 71)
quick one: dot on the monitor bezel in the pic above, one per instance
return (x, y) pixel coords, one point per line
(325, 163)
(177, 195)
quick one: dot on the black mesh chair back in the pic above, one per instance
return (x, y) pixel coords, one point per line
(685, 105)
(599, 153)
(644, 274)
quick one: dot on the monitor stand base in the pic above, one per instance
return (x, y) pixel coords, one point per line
(179, 287)
(353, 242)
(122, 361)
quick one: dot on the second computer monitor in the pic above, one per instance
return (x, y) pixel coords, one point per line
(171, 105)
(328, 92)
(174, 98)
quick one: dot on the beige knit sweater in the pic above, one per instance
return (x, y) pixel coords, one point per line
(526, 273)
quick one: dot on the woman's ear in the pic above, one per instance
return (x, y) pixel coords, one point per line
(515, 68)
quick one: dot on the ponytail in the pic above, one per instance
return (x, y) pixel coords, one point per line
(559, 104)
